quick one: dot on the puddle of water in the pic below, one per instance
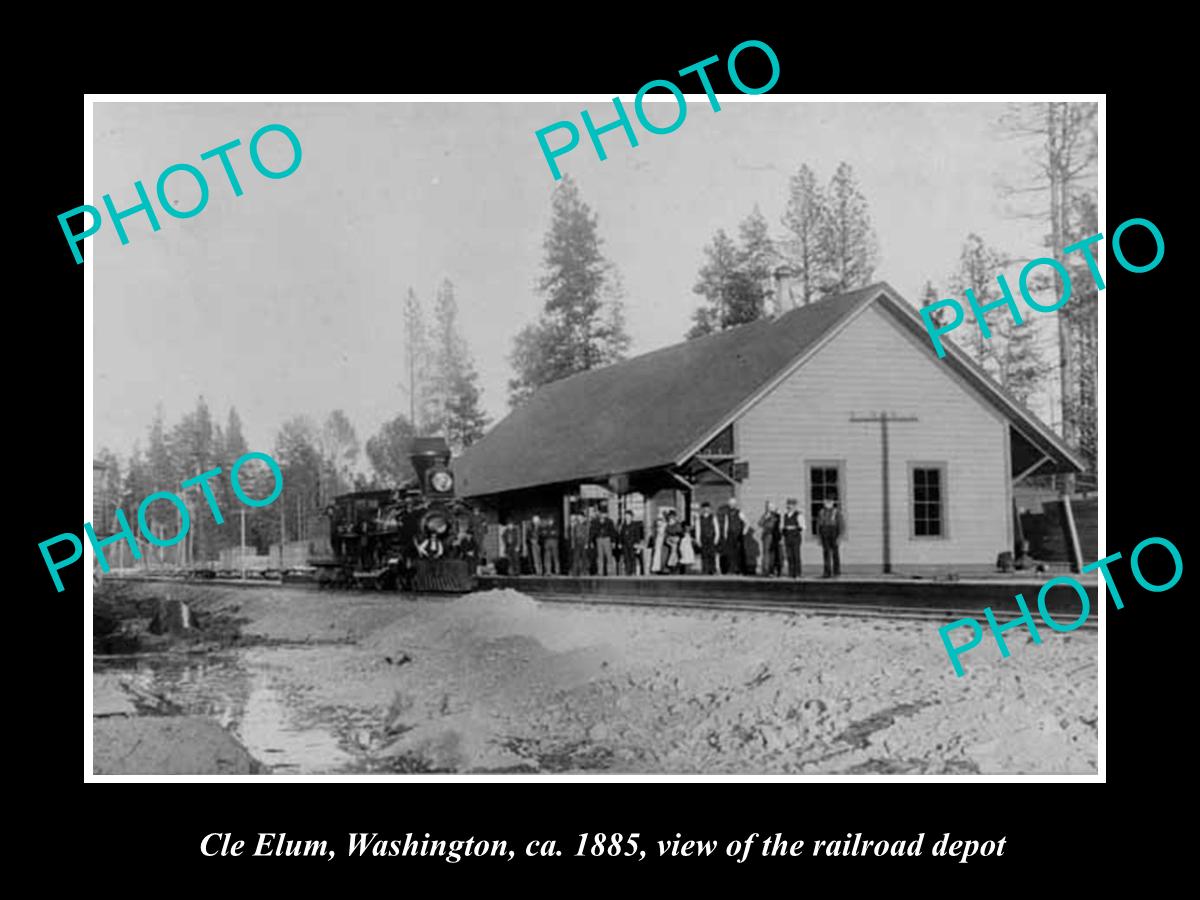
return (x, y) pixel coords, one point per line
(238, 690)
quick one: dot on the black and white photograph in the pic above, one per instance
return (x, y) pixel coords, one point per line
(426, 443)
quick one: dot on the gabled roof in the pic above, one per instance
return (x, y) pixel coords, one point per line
(1024, 420)
(657, 409)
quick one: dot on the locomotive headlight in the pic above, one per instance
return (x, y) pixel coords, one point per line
(442, 482)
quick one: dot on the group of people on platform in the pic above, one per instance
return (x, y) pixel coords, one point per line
(723, 541)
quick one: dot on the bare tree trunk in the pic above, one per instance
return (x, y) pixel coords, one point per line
(1058, 169)
(1065, 167)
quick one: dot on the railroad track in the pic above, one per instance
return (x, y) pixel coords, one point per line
(730, 603)
(941, 615)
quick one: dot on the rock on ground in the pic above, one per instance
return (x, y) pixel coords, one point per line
(166, 745)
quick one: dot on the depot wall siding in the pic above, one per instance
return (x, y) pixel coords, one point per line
(872, 366)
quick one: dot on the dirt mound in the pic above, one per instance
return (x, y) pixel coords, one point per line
(499, 682)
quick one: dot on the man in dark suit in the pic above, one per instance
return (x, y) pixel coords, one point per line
(605, 535)
(579, 545)
(633, 534)
(510, 536)
(731, 529)
(830, 526)
(593, 535)
(534, 535)
(793, 531)
(706, 534)
(549, 536)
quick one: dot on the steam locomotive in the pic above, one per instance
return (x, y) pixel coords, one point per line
(419, 537)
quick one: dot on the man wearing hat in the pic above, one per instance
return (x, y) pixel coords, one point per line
(510, 536)
(769, 526)
(706, 534)
(534, 535)
(549, 536)
(793, 530)
(830, 526)
(579, 545)
(605, 536)
(632, 536)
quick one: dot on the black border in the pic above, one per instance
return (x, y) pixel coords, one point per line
(161, 827)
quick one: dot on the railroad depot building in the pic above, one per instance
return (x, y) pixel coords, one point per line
(792, 406)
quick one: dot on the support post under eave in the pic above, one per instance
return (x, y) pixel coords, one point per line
(1018, 533)
(1072, 534)
(688, 487)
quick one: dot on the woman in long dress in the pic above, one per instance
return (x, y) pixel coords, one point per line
(660, 535)
(674, 537)
(687, 551)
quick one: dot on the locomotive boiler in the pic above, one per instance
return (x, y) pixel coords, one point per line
(418, 537)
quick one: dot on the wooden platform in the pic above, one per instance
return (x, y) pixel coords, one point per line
(965, 594)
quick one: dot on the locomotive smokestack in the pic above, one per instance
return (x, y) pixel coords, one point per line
(427, 452)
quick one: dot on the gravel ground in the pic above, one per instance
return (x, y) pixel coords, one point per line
(497, 682)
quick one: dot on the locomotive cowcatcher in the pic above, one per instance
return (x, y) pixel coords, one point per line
(418, 537)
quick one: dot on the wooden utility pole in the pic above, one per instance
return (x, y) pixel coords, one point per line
(282, 534)
(883, 418)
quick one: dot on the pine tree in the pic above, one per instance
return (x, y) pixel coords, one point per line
(136, 486)
(161, 475)
(389, 449)
(759, 257)
(193, 451)
(730, 297)
(299, 459)
(232, 447)
(1081, 314)
(1061, 188)
(106, 491)
(735, 278)
(158, 454)
(611, 330)
(540, 355)
(1021, 366)
(978, 266)
(803, 219)
(339, 450)
(575, 331)
(929, 296)
(417, 355)
(1011, 356)
(452, 409)
(848, 246)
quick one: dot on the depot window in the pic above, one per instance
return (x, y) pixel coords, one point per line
(928, 489)
(826, 481)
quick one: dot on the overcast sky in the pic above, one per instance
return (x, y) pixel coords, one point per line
(288, 299)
